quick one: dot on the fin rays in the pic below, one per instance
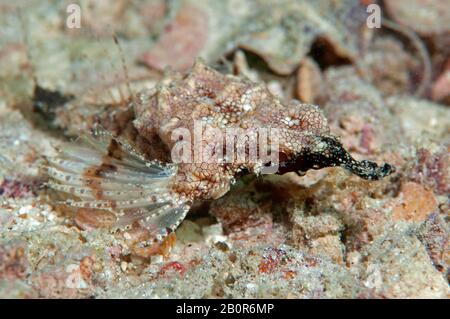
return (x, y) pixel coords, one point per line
(104, 172)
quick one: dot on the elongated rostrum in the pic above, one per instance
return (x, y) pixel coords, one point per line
(171, 147)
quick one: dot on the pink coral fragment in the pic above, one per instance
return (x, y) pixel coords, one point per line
(181, 41)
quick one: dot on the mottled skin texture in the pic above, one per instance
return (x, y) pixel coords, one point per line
(132, 172)
(225, 101)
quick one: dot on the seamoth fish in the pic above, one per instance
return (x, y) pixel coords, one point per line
(192, 136)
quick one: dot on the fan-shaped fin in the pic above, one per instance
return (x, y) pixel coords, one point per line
(104, 172)
(158, 220)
